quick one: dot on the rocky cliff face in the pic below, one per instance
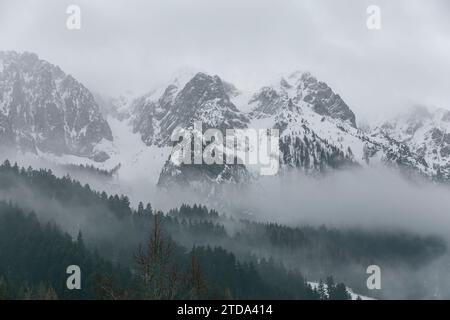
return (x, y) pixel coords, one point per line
(318, 130)
(42, 108)
(424, 133)
(302, 88)
(202, 98)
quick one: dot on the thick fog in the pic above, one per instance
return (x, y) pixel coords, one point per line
(372, 198)
(375, 197)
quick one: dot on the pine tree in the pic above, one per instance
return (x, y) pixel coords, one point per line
(330, 288)
(341, 293)
(140, 210)
(4, 292)
(148, 210)
(80, 241)
(322, 291)
(45, 292)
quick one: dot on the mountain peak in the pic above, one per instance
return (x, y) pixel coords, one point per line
(298, 76)
(301, 88)
(425, 132)
(203, 98)
(42, 108)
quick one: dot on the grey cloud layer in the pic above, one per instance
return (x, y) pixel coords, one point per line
(134, 44)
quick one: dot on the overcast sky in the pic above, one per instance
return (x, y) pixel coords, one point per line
(134, 44)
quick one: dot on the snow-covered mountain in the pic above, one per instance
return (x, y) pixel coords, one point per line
(310, 116)
(46, 112)
(42, 109)
(424, 132)
(316, 139)
(301, 88)
(318, 130)
(202, 98)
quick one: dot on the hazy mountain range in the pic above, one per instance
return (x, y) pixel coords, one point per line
(45, 111)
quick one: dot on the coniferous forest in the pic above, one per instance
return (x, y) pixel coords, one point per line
(191, 252)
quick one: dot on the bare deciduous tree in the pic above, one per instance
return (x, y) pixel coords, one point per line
(157, 271)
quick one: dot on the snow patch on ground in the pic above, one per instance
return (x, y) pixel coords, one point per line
(354, 295)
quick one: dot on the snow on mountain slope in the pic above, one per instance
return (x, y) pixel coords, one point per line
(304, 109)
(301, 87)
(202, 98)
(140, 165)
(43, 109)
(317, 129)
(425, 133)
(301, 121)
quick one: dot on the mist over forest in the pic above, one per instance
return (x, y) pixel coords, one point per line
(289, 232)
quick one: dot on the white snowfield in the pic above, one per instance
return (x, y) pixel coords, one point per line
(140, 165)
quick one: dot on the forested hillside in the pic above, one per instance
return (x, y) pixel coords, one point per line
(189, 252)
